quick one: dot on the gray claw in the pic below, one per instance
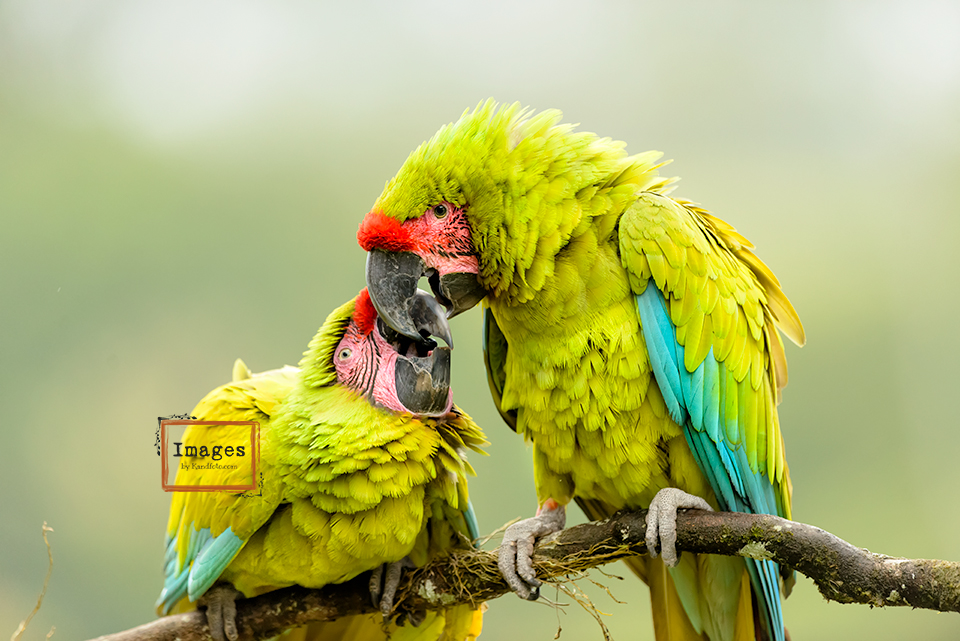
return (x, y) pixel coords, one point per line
(220, 601)
(384, 582)
(662, 522)
(376, 585)
(516, 552)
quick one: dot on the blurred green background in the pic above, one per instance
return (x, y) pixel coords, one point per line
(181, 182)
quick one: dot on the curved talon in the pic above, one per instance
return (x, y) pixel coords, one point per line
(220, 601)
(662, 522)
(515, 557)
(384, 582)
(376, 585)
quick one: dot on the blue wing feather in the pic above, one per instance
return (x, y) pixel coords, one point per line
(660, 336)
(206, 559)
(212, 560)
(711, 398)
(691, 385)
(471, 518)
(697, 401)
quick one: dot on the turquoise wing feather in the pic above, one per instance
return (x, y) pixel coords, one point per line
(207, 557)
(470, 516)
(694, 401)
(708, 311)
(207, 530)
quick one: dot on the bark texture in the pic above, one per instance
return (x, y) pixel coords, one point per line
(842, 572)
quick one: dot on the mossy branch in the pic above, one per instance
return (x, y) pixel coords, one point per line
(842, 572)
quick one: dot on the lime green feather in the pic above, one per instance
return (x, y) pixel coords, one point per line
(542, 184)
(346, 486)
(569, 229)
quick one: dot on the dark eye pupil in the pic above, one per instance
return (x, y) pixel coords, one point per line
(440, 211)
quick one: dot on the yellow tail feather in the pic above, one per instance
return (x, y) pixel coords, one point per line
(670, 622)
(744, 629)
(240, 371)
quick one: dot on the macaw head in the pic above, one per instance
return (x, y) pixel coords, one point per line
(391, 370)
(484, 207)
(437, 244)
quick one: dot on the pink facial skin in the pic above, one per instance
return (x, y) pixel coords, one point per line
(440, 236)
(366, 363)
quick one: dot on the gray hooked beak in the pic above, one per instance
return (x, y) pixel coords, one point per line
(422, 371)
(423, 383)
(392, 282)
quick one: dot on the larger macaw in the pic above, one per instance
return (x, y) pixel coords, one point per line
(363, 467)
(630, 336)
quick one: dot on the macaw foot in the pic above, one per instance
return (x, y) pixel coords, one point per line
(220, 601)
(516, 551)
(662, 521)
(384, 582)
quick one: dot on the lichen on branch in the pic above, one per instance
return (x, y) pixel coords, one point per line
(841, 571)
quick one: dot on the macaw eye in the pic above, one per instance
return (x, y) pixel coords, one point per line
(440, 210)
(344, 354)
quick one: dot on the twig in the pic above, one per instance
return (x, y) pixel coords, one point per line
(842, 573)
(43, 592)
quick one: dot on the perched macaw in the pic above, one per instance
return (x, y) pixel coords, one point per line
(630, 336)
(363, 468)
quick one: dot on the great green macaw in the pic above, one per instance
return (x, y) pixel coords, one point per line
(630, 336)
(363, 468)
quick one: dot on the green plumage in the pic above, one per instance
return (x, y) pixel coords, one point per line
(346, 486)
(570, 231)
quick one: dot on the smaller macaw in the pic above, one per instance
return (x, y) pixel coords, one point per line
(363, 469)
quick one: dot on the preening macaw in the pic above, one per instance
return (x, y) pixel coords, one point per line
(630, 336)
(363, 468)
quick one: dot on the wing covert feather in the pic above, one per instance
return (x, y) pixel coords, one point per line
(494, 359)
(206, 530)
(721, 317)
(716, 356)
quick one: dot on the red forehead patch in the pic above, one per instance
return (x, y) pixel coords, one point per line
(379, 231)
(364, 314)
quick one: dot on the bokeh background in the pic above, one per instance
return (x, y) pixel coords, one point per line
(181, 182)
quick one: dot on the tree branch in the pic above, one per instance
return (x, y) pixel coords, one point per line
(842, 572)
